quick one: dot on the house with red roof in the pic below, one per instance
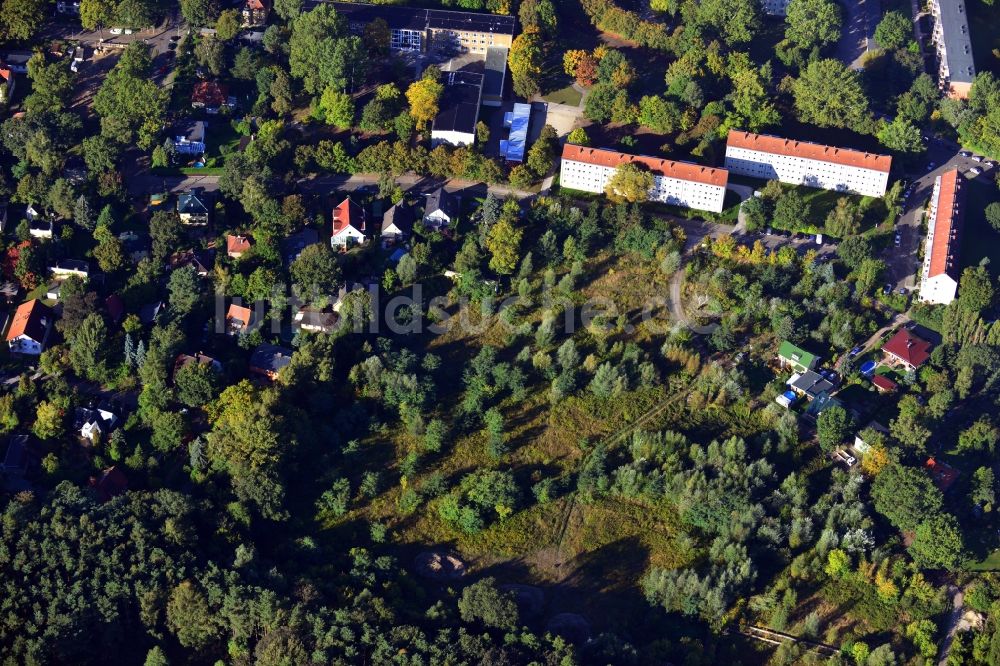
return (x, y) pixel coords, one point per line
(883, 384)
(30, 327)
(237, 246)
(676, 183)
(239, 319)
(109, 483)
(209, 95)
(806, 163)
(940, 272)
(943, 474)
(255, 13)
(348, 225)
(907, 350)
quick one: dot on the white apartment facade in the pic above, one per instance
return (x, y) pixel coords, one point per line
(939, 273)
(675, 183)
(805, 163)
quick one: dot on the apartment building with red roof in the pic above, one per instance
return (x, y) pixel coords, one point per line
(675, 183)
(805, 163)
(939, 273)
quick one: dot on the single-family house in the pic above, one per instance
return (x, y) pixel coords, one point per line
(29, 330)
(115, 307)
(136, 245)
(71, 7)
(209, 95)
(943, 474)
(255, 13)
(150, 311)
(397, 225)
(75, 170)
(31, 213)
(292, 246)
(41, 228)
(109, 483)
(67, 267)
(907, 350)
(348, 225)
(192, 207)
(810, 384)
(822, 402)
(79, 57)
(17, 61)
(237, 245)
(316, 320)
(240, 319)
(189, 139)
(860, 444)
(441, 209)
(6, 85)
(53, 291)
(883, 384)
(799, 360)
(199, 358)
(269, 360)
(93, 424)
(200, 262)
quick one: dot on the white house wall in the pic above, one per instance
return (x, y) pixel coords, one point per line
(676, 192)
(808, 172)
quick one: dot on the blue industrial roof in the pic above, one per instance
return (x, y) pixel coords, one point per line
(518, 133)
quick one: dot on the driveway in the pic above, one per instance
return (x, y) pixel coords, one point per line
(858, 33)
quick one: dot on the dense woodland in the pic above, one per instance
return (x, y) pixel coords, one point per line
(617, 486)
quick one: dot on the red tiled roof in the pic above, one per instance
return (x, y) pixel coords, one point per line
(908, 347)
(110, 483)
(805, 149)
(30, 320)
(944, 475)
(884, 383)
(947, 221)
(348, 214)
(209, 93)
(256, 5)
(6, 74)
(115, 307)
(666, 168)
(239, 313)
(237, 244)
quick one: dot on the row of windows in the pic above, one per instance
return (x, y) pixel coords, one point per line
(592, 178)
(816, 174)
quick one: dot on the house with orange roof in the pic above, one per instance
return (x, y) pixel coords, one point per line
(237, 245)
(348, 225)
(255, 13)
(806, 163)
(676, 183)
(940, 271)
(239, 319)
(209, 95)
(30, 327)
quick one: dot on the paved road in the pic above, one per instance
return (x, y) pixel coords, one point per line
(858, 34)
(902, 261)
(954, 619)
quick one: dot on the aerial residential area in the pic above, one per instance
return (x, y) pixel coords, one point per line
(536, 332)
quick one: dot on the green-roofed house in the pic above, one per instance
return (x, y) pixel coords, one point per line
(795, 358)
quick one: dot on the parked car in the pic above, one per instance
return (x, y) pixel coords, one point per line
(975, 171)
(887, 289)
(855, 351)
(977, 158)
(902, 291)
(965, 153)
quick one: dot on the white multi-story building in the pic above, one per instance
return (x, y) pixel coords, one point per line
(675, 183)
(940, 271)
(774, 7)
(805, 163)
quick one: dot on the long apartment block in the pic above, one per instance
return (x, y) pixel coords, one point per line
(956, 67)
(676, 183)
(414, 29)
(805, 163)
(939, 273)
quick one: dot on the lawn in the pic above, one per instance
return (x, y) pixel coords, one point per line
(568, 95)
(979, 239)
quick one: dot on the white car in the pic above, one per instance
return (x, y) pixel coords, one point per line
(977, 158)
(116, 31)
(965, 153)
(975, 171)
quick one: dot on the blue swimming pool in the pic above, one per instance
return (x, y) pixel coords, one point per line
(868, 367)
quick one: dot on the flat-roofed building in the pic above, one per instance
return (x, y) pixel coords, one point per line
(517, 120)
(675, 183)
(458, 110)
(956, 66)
(805, 163)
(939, 273)
(414, 29)
(495, 75)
